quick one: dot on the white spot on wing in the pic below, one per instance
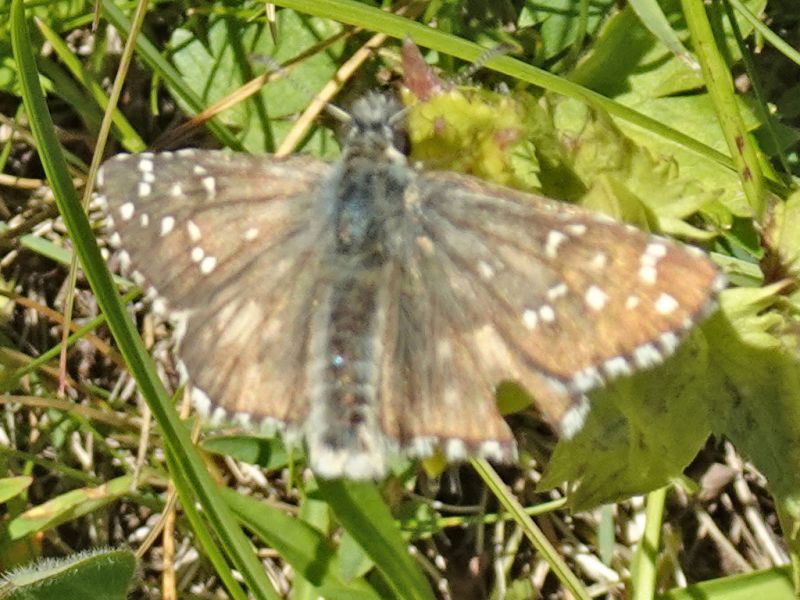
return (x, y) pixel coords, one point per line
(197, 254)
(547, 314)
(557, 291)
(595, 298)
(666, 304)
(444, 349)
(653, 253)
(167, 224)
(575, 418)
(210, 184)
(176, 190)
(599, 261)
(250, 234)
(656, 250)
(124, 260)
(646, 356)
(207, 264)
(648, 274)
(668, 342)
(242, 419)
(126, 211)
(485, 269)
(586, 380)
(720, 282)
(576, 229)
(193, 230)
(144, 189)
(617, 367)
(144, 219)
(218, 416)
(201, 401)
(455, 450)
(492, 450)
(554, 239)
(422, 447)
(331, 463)
(159, 306)
(198, 170)
(530, 319)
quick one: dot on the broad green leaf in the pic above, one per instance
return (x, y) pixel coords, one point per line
(229, 57)
(628, 63)
(631, 180)
(757, 401)
(783, 234)
(100, 575)
(640, 433)
(558, 23)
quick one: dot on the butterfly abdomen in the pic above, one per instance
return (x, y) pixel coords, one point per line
(344, 431)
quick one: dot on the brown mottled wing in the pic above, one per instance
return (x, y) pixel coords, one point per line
(507, 285)
(253, 225)
(435, 390)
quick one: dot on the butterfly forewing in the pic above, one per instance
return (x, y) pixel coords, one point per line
(559, 298)
(233, 243)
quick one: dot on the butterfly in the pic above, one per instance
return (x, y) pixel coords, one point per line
(369, 307)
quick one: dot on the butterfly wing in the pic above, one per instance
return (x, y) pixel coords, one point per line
(436, 390)
(516, 286)
(253, 225)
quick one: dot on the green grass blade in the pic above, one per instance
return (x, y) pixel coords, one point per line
(719, 83)
(771, 584)
(309, 553)
(652, 16)
(127, 135)
(532, 532)
(644, 567)
(363, 513)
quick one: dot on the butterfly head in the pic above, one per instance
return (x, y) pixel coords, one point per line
(377, 126)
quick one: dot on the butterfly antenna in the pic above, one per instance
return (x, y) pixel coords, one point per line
(480, 62)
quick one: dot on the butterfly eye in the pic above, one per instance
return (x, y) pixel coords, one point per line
(401, 140)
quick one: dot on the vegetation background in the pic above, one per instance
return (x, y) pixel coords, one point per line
(680, 117)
